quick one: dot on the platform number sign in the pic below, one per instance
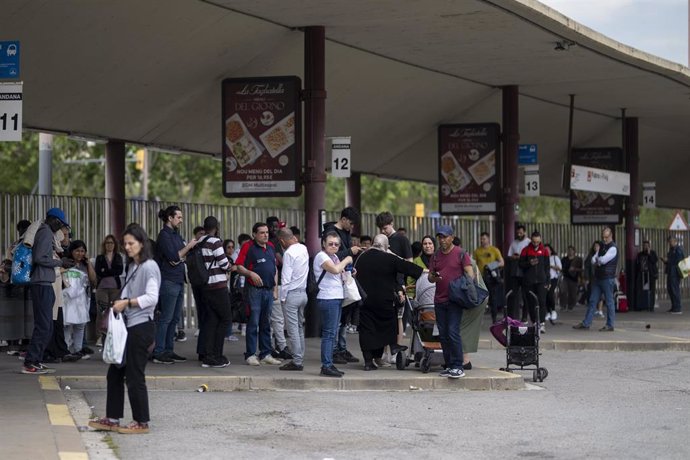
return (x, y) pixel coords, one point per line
(649, 194)
(341, 162)
(10, 112)
(532, 187)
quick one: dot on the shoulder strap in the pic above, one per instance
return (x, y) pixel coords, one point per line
(323, 273)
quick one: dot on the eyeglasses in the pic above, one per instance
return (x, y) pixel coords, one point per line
(109, 242)
(333, 244)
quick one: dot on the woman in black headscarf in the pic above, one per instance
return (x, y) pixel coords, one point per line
(377, 271)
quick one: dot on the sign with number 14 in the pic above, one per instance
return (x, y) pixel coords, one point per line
(10, 112)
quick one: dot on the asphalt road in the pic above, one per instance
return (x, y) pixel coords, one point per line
(593, 405)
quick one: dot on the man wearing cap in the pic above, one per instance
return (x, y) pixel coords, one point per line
(42, 237)
(673, 275)
(447, 264)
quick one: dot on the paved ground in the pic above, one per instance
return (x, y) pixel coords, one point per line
(623, 405)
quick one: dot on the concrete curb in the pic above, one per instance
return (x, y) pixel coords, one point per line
(479, 379)
(600, 345)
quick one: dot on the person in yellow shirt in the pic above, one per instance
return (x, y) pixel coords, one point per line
(490, 264)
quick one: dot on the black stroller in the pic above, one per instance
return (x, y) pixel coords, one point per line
(521, 342)
(425, 348)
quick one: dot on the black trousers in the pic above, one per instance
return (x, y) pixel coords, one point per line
(139, 340)
(57, 347)
(218, 318)
(540, 291)
(43, 298)
(201, 308)
(551, 296)
(370, 355)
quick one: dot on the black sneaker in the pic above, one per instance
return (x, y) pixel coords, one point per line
(181, 336)
(338, 358)
(330, 372)
(163, 359)
(467, 366)
(445, 373)
(218, 363)
(606, 329)
(291, 366)
(349, 358)
(86, 351)
(177, 358)
(285, 354)
(333, 368)
(70, 358)
(580, 326)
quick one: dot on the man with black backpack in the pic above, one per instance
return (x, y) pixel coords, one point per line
(207, 267)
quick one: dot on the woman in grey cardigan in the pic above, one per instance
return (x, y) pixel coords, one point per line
(138, 301)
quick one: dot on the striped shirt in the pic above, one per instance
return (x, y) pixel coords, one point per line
(217, 262)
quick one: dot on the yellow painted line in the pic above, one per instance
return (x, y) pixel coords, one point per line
(675, 339)
(73, 456)
(48, 382)
(59, 415)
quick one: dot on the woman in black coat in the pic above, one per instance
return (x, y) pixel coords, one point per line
(377, 271)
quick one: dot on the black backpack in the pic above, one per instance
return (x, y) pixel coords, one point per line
(196, 265)
(312, 283)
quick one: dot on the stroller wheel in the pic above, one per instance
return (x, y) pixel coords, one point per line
(401, 361)
(535, 375)
(542, 373)
(425, 364)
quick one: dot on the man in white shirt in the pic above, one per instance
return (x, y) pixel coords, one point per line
(515, 273)
(293, 295)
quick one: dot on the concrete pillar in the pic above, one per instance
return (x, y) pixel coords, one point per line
(314, 133)
(115, 185)
(505, 222)
(314, 150)
(632, 208)
(45, 164)
(353, 197)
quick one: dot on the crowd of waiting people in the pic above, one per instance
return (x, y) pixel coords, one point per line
(257, 288)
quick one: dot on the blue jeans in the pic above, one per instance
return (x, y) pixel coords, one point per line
(448, 318)
(673, 287)
(42, 299)
(171, 299)
(259, 325)
(605, 286)
(330, 322)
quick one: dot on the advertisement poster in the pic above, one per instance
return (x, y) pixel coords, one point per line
(262, 136)
(467, 166)
(595, 207)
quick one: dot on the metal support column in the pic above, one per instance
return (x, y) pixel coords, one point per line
(314, 149)
(632, 208)
(45, 164)
(511, 136)
(353, 196)
(115, 185)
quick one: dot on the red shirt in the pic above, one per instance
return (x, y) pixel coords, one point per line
(449, 267)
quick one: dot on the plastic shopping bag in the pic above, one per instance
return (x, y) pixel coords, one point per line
(351, 290)
(115, 339)
(684, 267)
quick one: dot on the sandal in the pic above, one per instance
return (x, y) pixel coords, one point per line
(134, 428)
(104, 424)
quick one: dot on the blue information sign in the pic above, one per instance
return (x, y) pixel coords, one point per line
(9, 59)
(527, 154)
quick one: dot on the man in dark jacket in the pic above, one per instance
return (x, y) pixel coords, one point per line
(534, 261)
(44, 263)
(647, 270)
(343, 226)
(673, 275)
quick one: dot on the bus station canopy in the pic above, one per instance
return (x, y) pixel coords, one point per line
(149, 72)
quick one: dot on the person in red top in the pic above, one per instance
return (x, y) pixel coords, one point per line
(447, 264)
(534, 261)
(257, 262)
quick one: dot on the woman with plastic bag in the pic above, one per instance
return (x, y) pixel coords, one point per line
(137, 303)
(76, 297)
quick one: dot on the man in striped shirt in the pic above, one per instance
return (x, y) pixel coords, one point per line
(218, 314)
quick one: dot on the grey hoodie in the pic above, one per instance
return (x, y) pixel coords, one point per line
(44, 262)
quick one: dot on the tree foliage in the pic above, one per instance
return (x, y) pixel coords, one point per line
(79, 170)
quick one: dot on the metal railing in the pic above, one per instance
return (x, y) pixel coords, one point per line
(90, 222)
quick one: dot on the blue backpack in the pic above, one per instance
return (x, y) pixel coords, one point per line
(22, 260)
(467, 292)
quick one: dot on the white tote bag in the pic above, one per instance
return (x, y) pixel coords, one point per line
(115, 339)
(350, 290)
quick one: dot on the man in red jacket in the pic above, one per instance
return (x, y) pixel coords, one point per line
(534, 261)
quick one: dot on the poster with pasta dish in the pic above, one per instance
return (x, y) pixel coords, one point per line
(262, 148)
(467, 165)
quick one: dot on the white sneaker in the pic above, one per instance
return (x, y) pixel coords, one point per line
(554, 315)
(253, 360)
(268, 359)
(196, 334)
(542, 328)
(548, 316)
(232, 338)
(244, 331)
(381, 362)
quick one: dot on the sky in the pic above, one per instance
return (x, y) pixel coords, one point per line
(659, 27)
